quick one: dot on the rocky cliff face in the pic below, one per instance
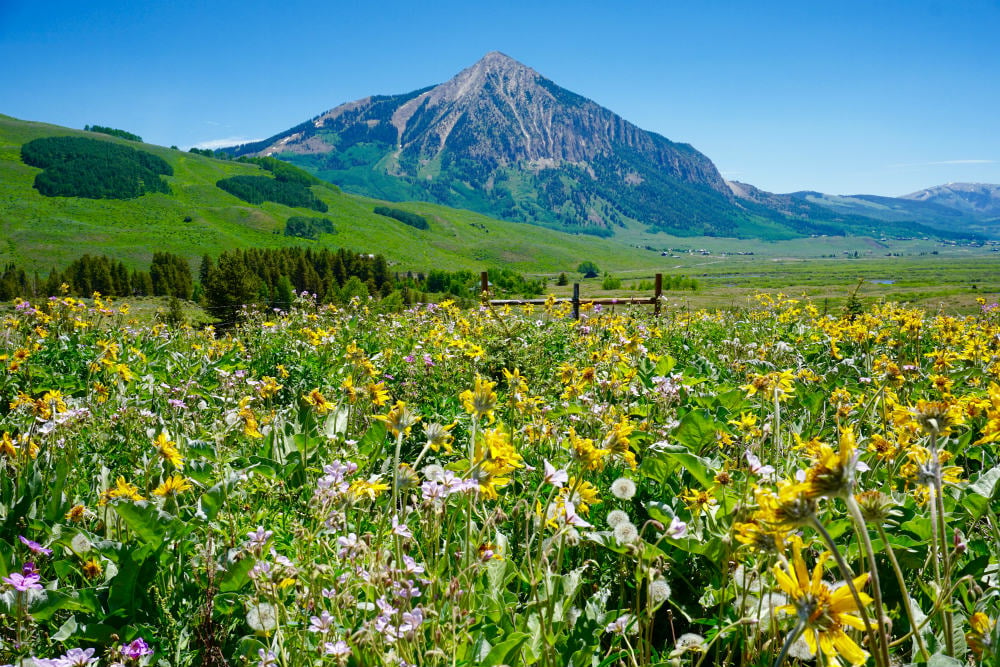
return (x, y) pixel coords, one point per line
(502, 139)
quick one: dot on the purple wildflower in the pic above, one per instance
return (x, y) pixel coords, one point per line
(135, 649)
(34, 546)
(322, 623)
(339, 648)
(78, 657)
(22, 583)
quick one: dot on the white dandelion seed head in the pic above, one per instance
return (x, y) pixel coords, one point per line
(80, 543)
(616, 517)
(262, 617)
(690, 641)
(659, 590)
(434, 473)
(626, 532)
(623, 488)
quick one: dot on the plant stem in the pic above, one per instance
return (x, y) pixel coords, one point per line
(845, 571)
(789, 640)
(862, 529)
(906, 595)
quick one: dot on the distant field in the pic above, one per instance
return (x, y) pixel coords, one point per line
(41, 233)
(952, 280)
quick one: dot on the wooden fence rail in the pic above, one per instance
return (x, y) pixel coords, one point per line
(484, 290)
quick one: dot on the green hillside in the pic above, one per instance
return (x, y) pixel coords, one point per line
(198, 217)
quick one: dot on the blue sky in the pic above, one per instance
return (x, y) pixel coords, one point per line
(882, 97)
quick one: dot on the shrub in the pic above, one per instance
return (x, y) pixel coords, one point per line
(405, 217)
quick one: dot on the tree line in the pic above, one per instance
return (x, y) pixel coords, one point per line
(260, 278)
(82, 167)
(168, 275)
(114, 132)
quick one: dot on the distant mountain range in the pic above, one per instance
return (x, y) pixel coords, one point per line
(501, 139)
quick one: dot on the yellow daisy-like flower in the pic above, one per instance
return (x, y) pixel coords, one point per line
(172, 486)
(399, 419)
(980, 633)
(168, 450)
(832, 473)
(824, 610)
(480, 401)
(378, 393)
(121, 489)
(439, 436)
(370, 488)
(268, 387)
(318, 401)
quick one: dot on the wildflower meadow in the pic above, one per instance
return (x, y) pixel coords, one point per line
(344, 485)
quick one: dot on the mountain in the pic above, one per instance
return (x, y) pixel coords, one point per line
(981, 200)
(192, 215)
(501, 139)
(963, 208)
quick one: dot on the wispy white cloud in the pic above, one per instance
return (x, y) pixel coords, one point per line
(940, 163)
(223, 142)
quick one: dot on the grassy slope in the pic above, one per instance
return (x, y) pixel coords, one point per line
(44, 232)
(51, 231)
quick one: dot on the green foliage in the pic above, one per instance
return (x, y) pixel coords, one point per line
(298, 493)
(563, 280)
(121, 134)
(406, 217)
(82, 167)
(284, 171)
(170, 275)
(308, 228)
(611, 283)
(588, 269)
(259, 189)
(206, 152)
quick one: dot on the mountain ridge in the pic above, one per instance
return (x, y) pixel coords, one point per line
(502, 139)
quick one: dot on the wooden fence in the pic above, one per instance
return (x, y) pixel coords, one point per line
(484, 290)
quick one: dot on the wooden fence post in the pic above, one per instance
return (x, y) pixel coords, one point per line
(576, 301)
(484, 286)
(657, 292)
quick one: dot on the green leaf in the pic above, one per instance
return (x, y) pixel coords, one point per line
(660, 463)
(54, 601)
(65, 630)
(237, 575)
(145, 520)
(501, 653)
(696, 430)
(941, 660)
(664, 365)
(986, 485)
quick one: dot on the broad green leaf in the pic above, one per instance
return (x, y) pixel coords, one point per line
(661, 462)
(237, 576)
(148, 523)
(502, 652)
(696, 430)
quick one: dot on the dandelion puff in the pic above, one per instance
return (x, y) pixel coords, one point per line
(659, 590)
(616, 517)
(800, 650)
(690, 641)
(623, 488)
(626, 532)
(262, 617)
(434, 473)
(80, 543)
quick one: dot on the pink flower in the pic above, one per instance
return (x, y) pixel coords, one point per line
(555, 477)
(34, 546)
(21, 582)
